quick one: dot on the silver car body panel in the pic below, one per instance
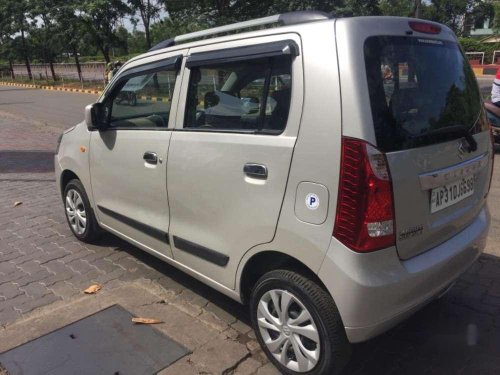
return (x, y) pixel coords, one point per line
(443, 176)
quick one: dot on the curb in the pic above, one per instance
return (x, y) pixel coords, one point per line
(96, 92)
(484, 70)
(153, 98)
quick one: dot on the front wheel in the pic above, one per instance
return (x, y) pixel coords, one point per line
(298, 325)
(79, 214)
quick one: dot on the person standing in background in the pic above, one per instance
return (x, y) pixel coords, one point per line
(495, 89)
(109, 71)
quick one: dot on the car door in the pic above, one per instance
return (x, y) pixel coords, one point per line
(128, 160)
(230, 153)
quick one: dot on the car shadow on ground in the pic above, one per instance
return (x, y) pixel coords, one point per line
(16, 161)
(455, 334)
(236, 309)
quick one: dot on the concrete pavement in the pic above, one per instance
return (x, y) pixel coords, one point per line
(43, 270)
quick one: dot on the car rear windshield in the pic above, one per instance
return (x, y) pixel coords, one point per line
(419, 88)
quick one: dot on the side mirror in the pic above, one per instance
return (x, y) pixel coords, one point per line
(95, 116)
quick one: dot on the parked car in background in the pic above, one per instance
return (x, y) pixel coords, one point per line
(326, 172)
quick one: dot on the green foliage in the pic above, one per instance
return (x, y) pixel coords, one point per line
(496, 20)
(474, 45)
(400, 8)
(62, 30)
(220, 12)
(149, 11)
(168, 28)
(101, 18)
(362, 8)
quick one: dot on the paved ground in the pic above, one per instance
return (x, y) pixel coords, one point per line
(43, 270)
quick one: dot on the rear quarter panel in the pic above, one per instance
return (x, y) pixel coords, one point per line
(316, 155)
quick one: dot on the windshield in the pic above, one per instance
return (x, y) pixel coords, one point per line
(416, 87)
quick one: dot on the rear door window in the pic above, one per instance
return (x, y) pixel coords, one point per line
(421, 91)
(245, 96)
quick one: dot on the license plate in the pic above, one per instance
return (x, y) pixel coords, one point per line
(448, 195)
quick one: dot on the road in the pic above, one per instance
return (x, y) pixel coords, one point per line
(485, 83)
(43, 270)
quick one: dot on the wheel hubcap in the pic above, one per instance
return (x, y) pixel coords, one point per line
(288, 330)
(75, 211)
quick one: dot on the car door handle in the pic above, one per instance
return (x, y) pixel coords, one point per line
(255, 170)
(150, 157)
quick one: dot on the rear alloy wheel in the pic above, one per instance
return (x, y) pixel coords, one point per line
(298, 324)
(79, 214)
(288, 330)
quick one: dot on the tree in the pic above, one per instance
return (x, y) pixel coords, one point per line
(15, 15)
(496, 18)
(170, 27)
(417, 8)
(402, 8)
(122, 38)
(44, 38)
(6, 50)
(101, 18)
(148, 10)
(457, 14)
(219, 12)
(136, 41)
(69, 27)
(362, 8)
(6, 41)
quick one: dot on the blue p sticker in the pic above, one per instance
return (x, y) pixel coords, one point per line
(312, 201)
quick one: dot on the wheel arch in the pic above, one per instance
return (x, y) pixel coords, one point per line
(264, 261)
(66, 176)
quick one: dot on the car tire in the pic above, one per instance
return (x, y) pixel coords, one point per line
(304, 299)
(79, 213)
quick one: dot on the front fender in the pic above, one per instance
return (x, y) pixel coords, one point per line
(74, 155)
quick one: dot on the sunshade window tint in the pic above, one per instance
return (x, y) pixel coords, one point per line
(419, 88)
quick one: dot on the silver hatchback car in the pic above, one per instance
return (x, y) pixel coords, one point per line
(330, 173)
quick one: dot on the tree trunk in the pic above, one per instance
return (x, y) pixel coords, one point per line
(148, 34)
(26, 59)
(416, 11)
(11, 69)
(52, 71)
(77, 62)
(105, 53)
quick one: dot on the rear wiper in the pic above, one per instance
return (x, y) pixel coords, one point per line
(457, 129)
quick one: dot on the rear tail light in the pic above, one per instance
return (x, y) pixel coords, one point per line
(365, 208)
(424, 27)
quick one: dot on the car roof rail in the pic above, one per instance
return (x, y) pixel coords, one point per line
(285, 19)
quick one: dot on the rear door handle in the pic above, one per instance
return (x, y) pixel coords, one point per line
(150, 157)
(255, 170)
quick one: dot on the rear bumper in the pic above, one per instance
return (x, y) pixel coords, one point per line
(375, 291)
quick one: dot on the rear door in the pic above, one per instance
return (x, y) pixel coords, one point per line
(427, 117)
(230, 153)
